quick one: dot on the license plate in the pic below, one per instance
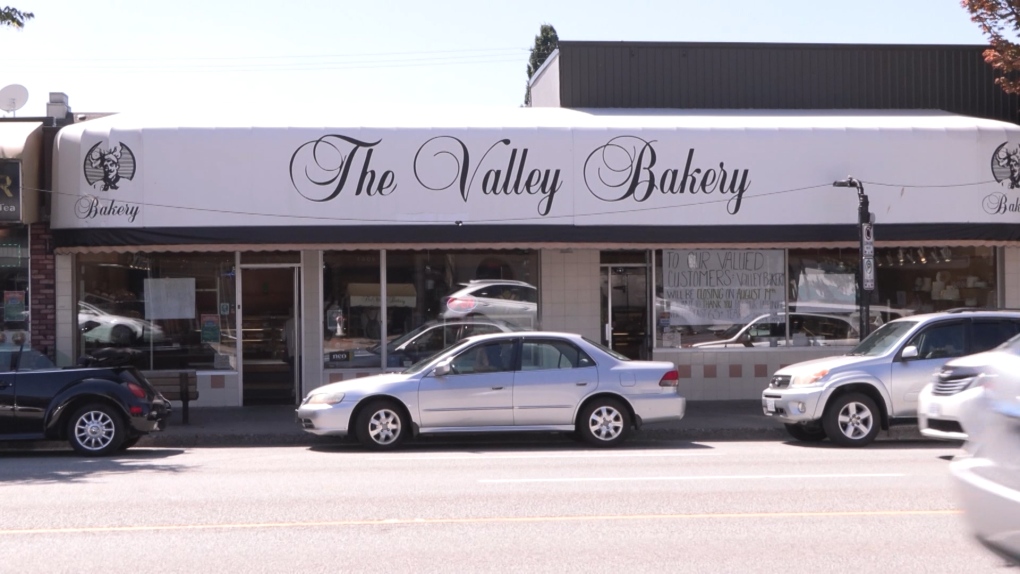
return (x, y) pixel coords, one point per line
(770, 405)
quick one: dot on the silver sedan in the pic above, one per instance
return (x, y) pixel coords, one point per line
(503, 382)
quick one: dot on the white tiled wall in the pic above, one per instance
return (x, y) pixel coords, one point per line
(66, 309)
(1011, 277)
(570, 294)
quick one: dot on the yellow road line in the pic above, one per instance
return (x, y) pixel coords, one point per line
(479, 520)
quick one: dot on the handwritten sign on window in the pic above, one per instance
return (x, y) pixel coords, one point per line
(722, 286)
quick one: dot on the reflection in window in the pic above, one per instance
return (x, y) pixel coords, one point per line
(176, 309)
(823, 283)
(352, 309)
(14, 259)
(484, 358)
(544, 355)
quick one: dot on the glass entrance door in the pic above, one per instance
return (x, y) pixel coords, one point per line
(269, 340)
(625, 309)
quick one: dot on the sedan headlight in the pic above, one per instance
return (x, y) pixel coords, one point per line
(324, 398)
(805, 379)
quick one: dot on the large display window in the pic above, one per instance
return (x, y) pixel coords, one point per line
(431, 300)
(173, 310)
(719, 298)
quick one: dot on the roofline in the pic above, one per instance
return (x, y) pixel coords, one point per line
(776, 45)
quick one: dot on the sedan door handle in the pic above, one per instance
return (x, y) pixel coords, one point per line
(581, 384)
(497, 388)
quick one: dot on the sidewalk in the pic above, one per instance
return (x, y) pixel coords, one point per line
(277, 426)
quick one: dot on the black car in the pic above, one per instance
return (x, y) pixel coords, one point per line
(100, 406)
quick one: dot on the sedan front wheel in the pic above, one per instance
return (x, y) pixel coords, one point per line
(603, 422)
(381, 425)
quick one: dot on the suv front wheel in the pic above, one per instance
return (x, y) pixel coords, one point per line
(851, 420)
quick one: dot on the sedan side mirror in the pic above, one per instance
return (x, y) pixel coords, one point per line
(442, 369)
(909, 352)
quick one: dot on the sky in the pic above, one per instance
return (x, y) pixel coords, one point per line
(263, 57)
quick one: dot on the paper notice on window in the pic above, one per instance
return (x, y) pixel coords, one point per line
(170, 298)
(722, 286)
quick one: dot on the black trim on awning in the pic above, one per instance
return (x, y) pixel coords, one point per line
(504, 234)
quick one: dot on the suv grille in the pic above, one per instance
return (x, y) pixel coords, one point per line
(948, 384)
(779, 382)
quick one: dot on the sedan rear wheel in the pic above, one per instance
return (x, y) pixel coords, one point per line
(96, 430)
(851, 420)
(381, 426)
(603, 422)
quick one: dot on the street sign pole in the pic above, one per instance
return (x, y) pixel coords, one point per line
(866, 283)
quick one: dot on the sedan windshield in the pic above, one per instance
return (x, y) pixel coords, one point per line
(883, 339)
(427, 361)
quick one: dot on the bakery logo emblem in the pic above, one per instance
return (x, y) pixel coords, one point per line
(107, 168)
(1006, 171)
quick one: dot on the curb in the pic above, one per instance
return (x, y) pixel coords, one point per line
(773, 434)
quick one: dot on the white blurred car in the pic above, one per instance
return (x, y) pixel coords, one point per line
(101, 327)
(958, 383)
(988, 481)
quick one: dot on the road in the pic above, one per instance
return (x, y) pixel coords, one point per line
(471, 506)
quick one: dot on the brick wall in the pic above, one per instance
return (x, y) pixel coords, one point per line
(42, 293)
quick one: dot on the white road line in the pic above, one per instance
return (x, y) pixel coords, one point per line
(717, 477)
(536, 456)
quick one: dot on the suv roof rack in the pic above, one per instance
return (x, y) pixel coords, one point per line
(974, 309)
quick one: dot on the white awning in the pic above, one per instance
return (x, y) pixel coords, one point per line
(403, 166)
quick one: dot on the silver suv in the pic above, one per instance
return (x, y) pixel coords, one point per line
(849, 398)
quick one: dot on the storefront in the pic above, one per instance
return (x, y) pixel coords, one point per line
(275, 258)
(20, 158)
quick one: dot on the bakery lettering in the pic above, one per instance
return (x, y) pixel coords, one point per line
(445, 161)
(626, 168)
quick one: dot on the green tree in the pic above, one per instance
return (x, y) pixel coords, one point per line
(1000, 21)
(13, 17)
(545, 43)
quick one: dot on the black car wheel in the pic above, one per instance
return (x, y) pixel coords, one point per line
(807, 433)
(851, 420)
(381, 426)
(96, 430)
(603, 422)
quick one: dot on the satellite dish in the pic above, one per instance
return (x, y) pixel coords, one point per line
(13, 97)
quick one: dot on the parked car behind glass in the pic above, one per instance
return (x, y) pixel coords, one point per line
(105, 328)
(512, 301)
(769, 330)
(417, 344)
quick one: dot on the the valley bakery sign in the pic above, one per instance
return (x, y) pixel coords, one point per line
(195, 177)
(626, 168)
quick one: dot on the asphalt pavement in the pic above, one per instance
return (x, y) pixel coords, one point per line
(277, 425)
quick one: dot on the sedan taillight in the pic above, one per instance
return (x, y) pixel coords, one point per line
(670, 379)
